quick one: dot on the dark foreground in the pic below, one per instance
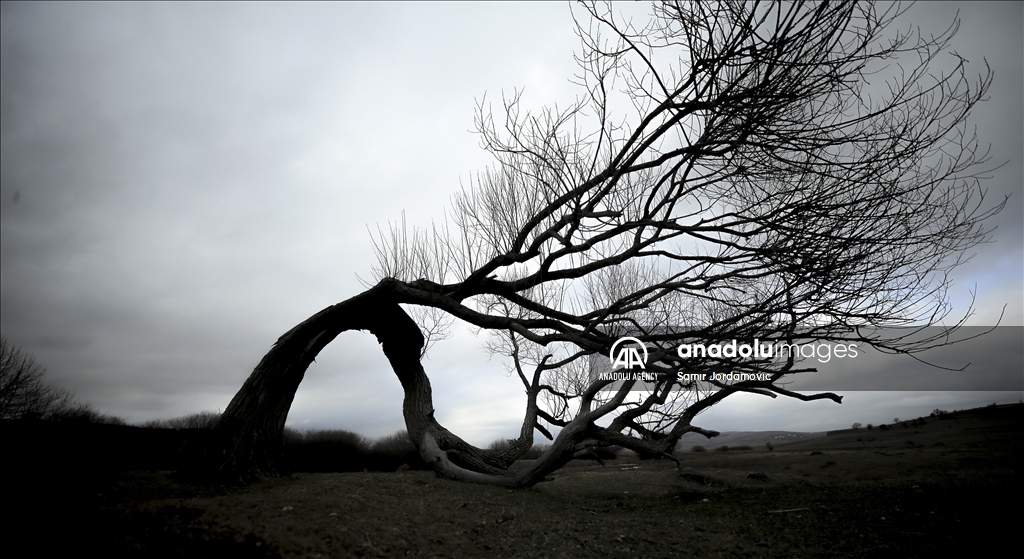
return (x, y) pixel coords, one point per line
(949, 486)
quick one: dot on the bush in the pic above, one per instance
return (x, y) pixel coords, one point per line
(391, 452)
(606, 452)
(84, 413)
(200, 420)
(535, 452)
(337, 436)
(499, 445)
(338, 450)
(697, 448)
(723, 448)
(397, 444)
(768, 445)
(325, 451)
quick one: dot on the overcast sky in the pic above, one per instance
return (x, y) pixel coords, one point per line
(183, 183)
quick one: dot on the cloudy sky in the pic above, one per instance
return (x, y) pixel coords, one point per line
(183, 183)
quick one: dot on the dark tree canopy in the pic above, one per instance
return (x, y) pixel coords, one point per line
(731, 171)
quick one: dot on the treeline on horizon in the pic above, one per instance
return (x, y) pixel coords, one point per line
(97, 442)
(100, 442)
(338, 450)
(44, 428)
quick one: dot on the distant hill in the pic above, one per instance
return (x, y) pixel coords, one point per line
(939, 425)
(753, 439)
(979, 428)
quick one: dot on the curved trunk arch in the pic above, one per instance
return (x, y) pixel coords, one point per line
(247, 442)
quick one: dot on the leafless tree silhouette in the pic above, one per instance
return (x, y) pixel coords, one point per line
(731, 171)
(24, 392)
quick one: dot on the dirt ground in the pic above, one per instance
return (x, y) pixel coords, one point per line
(949, 486)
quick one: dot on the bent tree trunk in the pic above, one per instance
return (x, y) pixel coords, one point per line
(247, 442)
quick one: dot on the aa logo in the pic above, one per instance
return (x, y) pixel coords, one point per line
(628, 357)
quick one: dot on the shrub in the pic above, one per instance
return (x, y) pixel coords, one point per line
(84, 413)
(326, 451)
(499, 445)
(396, 444)
(723, 448)
(337, 450)
(338, 436)
(535, 452)
(200, 420)
(768, 445)
(606, 452)
(697, 448)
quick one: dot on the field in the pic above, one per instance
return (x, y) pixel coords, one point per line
(944, 485)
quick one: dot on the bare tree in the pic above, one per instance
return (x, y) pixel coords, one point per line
(24, 392)
(732, 171)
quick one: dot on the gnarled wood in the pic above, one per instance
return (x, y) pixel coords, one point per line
(247, 442)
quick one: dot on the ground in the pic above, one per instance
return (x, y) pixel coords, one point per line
(948, 486)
